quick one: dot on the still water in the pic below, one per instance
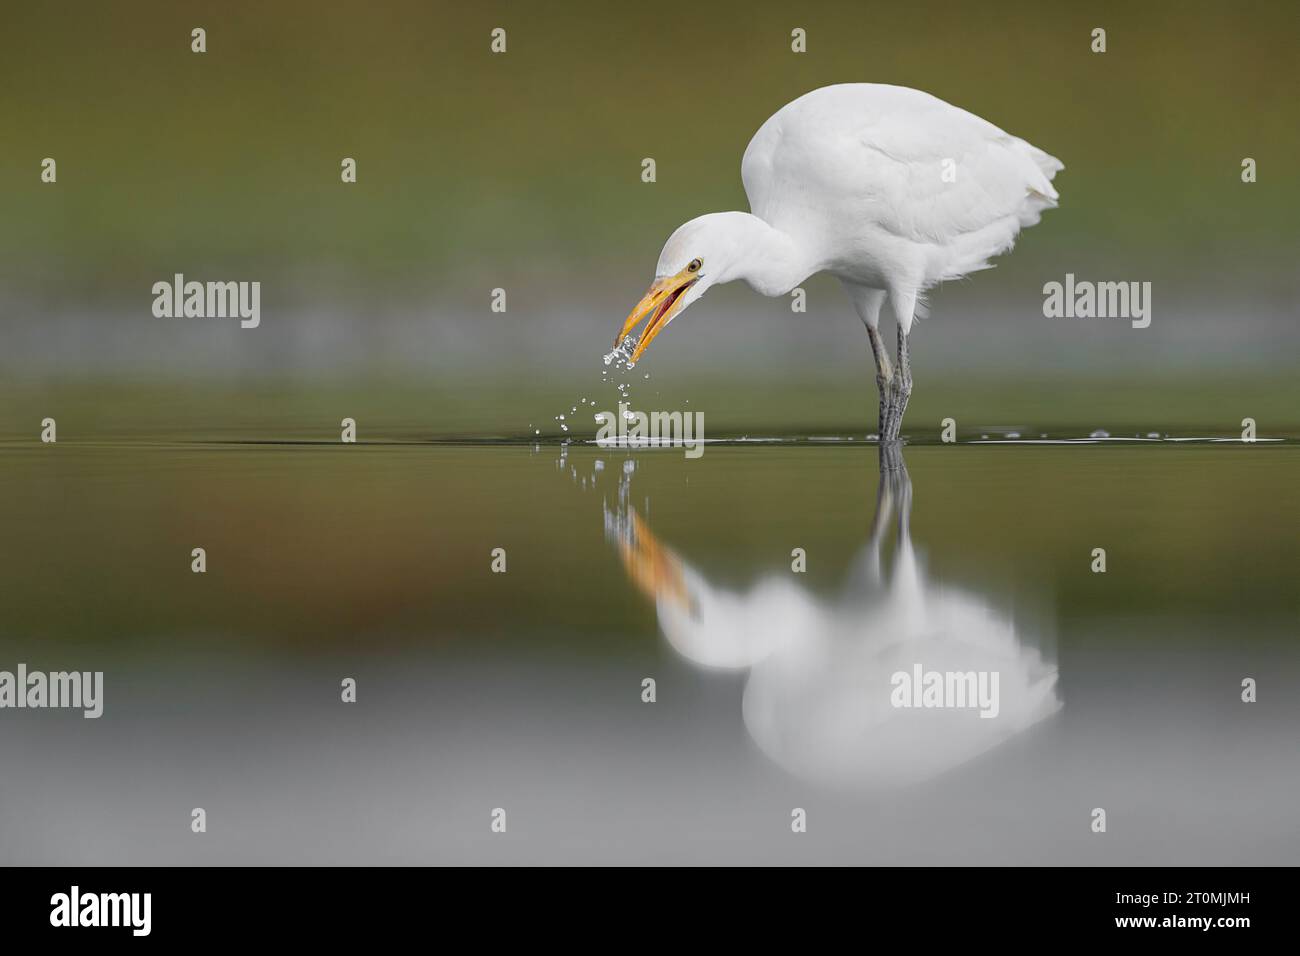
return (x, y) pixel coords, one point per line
(774, 688)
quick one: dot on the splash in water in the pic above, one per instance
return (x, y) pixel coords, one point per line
(618, 365)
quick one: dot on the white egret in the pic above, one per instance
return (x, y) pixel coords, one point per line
(889, 189)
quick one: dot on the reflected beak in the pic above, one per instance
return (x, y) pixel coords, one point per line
(653, 567)
(661, 302)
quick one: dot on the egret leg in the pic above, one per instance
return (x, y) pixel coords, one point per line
(901, 387)
(884, 377)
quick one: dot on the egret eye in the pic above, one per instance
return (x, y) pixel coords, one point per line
(694, 266)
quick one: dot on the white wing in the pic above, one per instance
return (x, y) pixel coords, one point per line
(844, 161)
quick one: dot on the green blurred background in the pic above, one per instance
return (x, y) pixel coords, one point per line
(522, 171)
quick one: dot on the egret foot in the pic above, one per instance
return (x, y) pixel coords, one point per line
(885, 386)
(900, 390)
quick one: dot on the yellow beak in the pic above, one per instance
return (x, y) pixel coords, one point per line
(663, 301)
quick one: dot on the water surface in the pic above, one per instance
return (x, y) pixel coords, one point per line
(523, 690)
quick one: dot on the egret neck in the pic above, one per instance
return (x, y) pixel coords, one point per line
(770, 261)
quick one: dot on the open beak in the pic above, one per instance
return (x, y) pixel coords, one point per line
(662, 302)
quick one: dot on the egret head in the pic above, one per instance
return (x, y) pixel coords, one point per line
(701, 253)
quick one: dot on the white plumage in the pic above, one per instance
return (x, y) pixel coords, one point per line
(856, 173)
(889, 189)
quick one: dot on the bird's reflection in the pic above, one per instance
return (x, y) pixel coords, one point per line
(826, 697)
